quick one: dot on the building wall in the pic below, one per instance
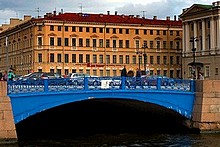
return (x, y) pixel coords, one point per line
(201, 31)
(24, 53)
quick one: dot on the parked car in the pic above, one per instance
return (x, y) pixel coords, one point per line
(77, 79)
(152, 80)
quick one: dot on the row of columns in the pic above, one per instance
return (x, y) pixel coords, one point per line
(210, 40)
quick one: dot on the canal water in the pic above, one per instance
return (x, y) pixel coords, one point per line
(124, 140)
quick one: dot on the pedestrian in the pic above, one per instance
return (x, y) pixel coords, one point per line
(138, 73)
(201, 77)
(11, 75)
(124, 72)
(5, 76)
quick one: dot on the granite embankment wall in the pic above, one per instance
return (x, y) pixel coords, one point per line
(206, 113)
(7, 126)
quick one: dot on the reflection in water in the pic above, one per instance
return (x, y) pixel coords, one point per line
(125, 140)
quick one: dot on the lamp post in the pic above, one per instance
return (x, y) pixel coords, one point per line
(139, 59)
(145, 57)
(192, 40)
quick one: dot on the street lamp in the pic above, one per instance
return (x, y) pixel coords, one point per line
(193, 40)
(139, 59)
(145, 57)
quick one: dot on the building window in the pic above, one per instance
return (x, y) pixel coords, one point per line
(66, 71)
(80, 42)
(171, 44)
(164, 32)
(120, 43)
(80, 29)
(94, 58)
(94, 30)
(87, 29)
(94, 72)
(39, 57)
(158, 44)
(177, 33)
(73, 58)
(107, 43)
(177, 45)
(100, 30)
(114, 44)
(178, 73)
(80, 70)
(171, 73)
(51, 41)
(114, 59)
(171, 32)
(165, 72)
(101, 73)
(127, 59)
(87, 42)
(137, 44)
(151, 44)
(158, 72)
(73, 29)
(87, 58)
(145, 32)
(158, 59)
(58, 41)
(59, 58)
(39, 41)
(207, 71)
(40, 28)
(114, 31)
(108, 72)
(94, 42)
(51, 57)
(66, 28)
(107, 30)
(121, 59)
(80, 58)
(100, 58)
(158, 32)
(127, 31)
(151, 32)
(151, 59)
(100, 42)
(59, 28)
(114, 72)
(165, 60)
(164, 44)
(171, 60)
(51, 70)
(178, 60)
(120, 31)
(51, 28)
(66, 41)
(88, 71)
(66, 58)
(134, 60)
(216, 71)
(127, 44)
(108, 59)
(136, 31)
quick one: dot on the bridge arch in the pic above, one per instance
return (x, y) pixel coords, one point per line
(25, 105)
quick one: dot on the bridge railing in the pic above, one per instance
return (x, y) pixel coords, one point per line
(99, 83)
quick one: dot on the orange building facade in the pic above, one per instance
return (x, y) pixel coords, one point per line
(96, 44)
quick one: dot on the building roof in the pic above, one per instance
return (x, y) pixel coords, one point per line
(107, 18)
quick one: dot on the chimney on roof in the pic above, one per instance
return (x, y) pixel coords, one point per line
(155, 18)
(138, 16)
(54, 13)
(61, 11)
(174, 17)
(116, 13)
(108, 12)
(101, 15)
(168, 17)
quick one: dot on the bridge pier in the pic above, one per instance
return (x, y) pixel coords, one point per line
(7, 125)
(206, 113)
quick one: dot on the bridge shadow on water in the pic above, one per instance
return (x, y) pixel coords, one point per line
(101, 116)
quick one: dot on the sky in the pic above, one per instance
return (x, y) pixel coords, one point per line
(147, 8)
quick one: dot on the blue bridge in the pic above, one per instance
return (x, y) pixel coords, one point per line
(34, 96)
